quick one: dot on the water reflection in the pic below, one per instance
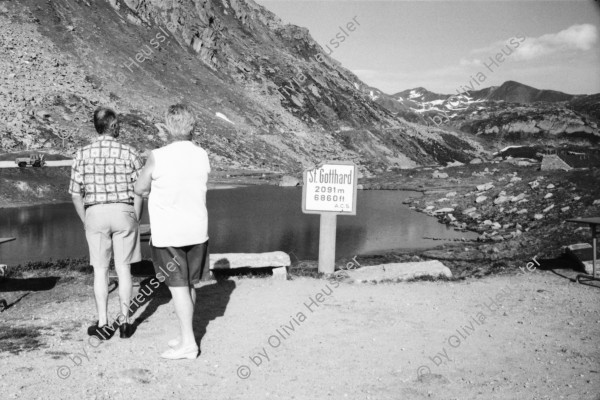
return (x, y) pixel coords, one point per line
(253, 219)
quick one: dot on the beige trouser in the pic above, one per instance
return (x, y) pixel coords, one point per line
(112, 228)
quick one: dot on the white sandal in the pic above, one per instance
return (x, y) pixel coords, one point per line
(190, 352)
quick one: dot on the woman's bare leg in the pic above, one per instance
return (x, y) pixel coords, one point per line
(184, 308)
(175, 342)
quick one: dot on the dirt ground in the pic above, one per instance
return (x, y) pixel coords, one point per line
(529, 335)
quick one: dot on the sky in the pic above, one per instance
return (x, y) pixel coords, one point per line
(446, 46)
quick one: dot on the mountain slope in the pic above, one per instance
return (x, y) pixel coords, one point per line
(515, 92)
(266, 95)
(506, 114)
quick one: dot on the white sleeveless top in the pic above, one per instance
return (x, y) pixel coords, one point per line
(177, 201)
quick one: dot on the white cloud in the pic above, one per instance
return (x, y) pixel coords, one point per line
(554, 55)
(475, 62)
(576, 37)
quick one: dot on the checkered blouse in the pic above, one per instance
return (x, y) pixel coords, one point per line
(105, 172)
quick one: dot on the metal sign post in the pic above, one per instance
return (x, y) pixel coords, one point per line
(329, 190)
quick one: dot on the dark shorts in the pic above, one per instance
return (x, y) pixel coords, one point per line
(180, 266)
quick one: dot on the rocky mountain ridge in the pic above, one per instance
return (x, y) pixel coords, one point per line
(266, 94)
(507, 114)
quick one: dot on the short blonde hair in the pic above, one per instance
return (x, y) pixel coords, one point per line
(180, 120)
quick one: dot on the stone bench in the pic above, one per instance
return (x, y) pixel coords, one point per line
(278, 260)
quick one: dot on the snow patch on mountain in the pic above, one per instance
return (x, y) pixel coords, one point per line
(223, 117)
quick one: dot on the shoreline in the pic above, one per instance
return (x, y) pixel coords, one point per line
(41, 202)
(218, 185)
(519, 212)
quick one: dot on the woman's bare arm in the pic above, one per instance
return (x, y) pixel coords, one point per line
(144, 182)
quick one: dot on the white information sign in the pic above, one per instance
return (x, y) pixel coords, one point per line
(330, 188)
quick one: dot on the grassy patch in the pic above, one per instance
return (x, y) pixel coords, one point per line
(44, 268)
(17, 339)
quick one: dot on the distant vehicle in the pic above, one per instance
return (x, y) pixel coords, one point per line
(35, 160)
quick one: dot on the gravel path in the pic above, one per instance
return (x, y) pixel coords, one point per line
(262, 339)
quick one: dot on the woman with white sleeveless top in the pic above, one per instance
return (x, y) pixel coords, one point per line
(174, 179)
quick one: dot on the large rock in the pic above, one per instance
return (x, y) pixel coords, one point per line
(278, 260)
(252, 260)
(518, 198)
(501, 200)
(395, 272)
(444, 210)
(288, 180)
(588, 267)
(485, 186)
(554, 162)
(43, 113)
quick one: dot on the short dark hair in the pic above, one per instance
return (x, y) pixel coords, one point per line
(104, 119)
